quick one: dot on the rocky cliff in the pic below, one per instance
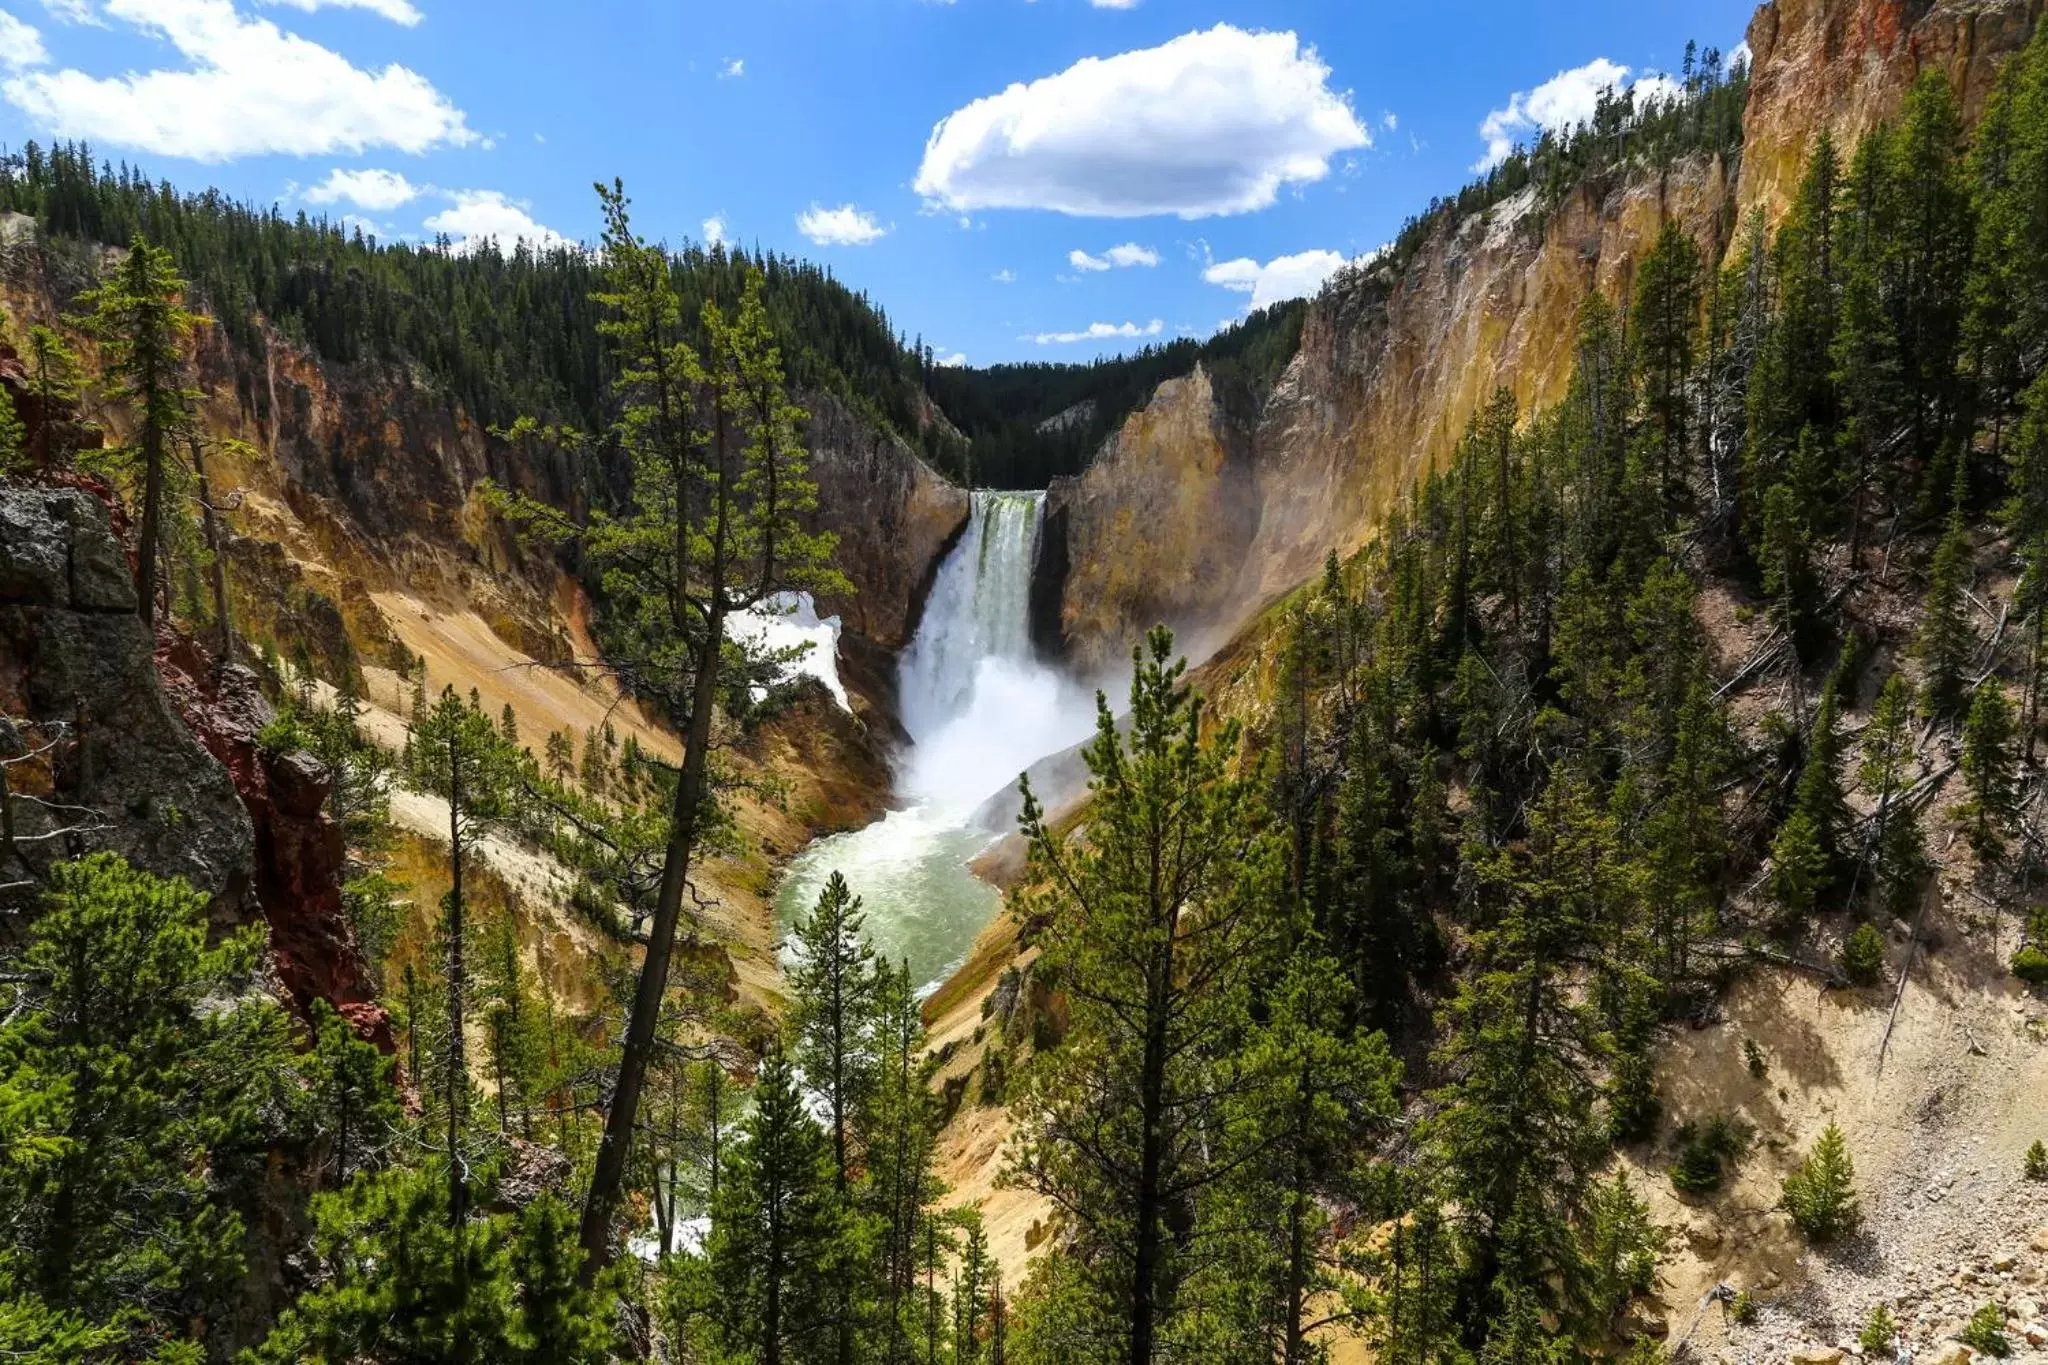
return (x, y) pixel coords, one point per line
(1842, 65)
(1392, 364)
(105, 762)
(894, 515)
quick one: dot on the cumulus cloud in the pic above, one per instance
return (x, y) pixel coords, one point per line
(1116, 258)
(248, 89)
(952, 362)
(1565, 100)
(1284, 277)
(1005, 276)
(397, 11)
(843, 226)
(479, 216)
(21, 47)
(1213, 122)
(714, 231)
(377, 191)
(734, 68)
(1097, 331)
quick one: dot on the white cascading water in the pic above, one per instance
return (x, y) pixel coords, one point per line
(979, 709)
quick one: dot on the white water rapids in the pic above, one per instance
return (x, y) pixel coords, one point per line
(979, 709)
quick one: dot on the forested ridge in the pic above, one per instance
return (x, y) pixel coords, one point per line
(505, 333)
(1360, 993)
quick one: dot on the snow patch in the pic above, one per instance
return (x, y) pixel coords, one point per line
(790, 621)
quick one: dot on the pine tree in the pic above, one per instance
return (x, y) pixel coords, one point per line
(1821, 1194)
(353, 1099)
(834, 1021)
(1515, 1131)
(53, 379)
(835, 985)
(970, 1292)
(141, 1084)
(406, 1284)
(1665, 324)
(1987, 764)
(1157, 927)
(1930, 238)
(1946, 640)
(900, 1189)
(13, 436)
(1806, 857)
(1887, 754)
(2008, 281)
(775, 1230)
(142, 327)
(455, 754)
(513, 1027)
(1405, 1301)
(1623, 1247)
(712, 525)
(1323, 1093)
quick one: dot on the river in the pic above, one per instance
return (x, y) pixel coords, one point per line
(979, 708)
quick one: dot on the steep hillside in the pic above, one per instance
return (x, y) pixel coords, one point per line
(1396, 358)
(1935, 1073)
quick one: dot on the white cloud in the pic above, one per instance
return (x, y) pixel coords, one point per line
(1097, 331)
(74, 12)
(1737, 56)
(1005, 276)
(249, 89)
(1104, 4)
(1116, 258)
(734, 68)
(952, 362)
(21, 47)
(1655, 88)
(1389, 122)
(377, 191)
(843, 226)
(478, 216)
(1210, 123)
(714, 231)
(397, 11)
(1284, 277)
(1564, 101)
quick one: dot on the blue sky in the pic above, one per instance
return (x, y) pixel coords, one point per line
(1011, 179)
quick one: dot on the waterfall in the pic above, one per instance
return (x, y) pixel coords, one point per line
(979, 708)
(979, 609)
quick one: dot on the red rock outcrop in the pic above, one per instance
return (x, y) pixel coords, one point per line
(299, 852)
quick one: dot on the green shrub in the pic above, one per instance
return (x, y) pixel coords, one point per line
(1863, 955)
(1986, 1332)
(1879, 1331)
(1821, 1194)
(1744, 1308)
(1704, 1151)
(2030, 964)
(2037, 1161)
(1753, 1058)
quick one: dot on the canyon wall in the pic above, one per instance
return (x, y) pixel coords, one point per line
(1186, 518)
(354, 481)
